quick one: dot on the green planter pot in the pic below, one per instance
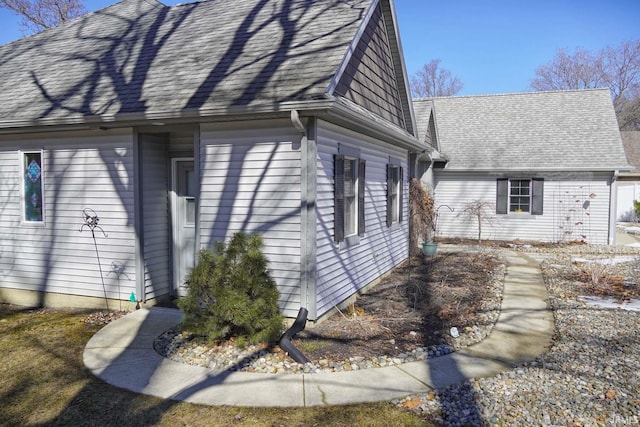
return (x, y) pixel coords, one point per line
(429, 248)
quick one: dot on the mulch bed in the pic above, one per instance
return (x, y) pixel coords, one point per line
(415, 306)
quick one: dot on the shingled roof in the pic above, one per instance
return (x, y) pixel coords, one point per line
(550, 131)
(631, 142)
(140, 58)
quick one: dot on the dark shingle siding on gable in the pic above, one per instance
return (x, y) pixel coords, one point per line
(369, 79)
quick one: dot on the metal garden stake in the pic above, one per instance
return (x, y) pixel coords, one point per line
(91, 221)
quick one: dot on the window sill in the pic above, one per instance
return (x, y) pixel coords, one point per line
(349, 242)
(29, 224)
(519, 215)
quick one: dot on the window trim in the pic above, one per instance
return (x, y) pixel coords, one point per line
(397, 208)
(503, 196)
(517, 200)
(23, 196)
(339, 199)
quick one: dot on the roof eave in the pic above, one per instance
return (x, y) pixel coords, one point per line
(261, 111)
(611, 169)
(328, 108)
(342, 114)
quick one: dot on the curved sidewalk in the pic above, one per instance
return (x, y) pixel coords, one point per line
(122, 354)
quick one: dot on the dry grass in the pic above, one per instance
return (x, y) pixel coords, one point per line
(598, 277)
(43, 382)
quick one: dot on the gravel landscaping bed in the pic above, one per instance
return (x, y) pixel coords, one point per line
(589, 376)
(388, 329)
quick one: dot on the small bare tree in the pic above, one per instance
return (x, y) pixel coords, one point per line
(481, 212)
(432, 81)
(38, 15)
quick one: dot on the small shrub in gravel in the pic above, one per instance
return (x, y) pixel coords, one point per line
(232, 295)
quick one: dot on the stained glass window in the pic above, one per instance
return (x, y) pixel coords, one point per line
(33, 206)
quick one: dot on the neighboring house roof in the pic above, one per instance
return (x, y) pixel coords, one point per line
(631, 142)
(550, 131)
(139, 58)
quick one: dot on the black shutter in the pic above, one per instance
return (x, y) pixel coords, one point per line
(389, 192)
(338, 205)
(502, 196)
(400, 193)
(361, 174)
(537, 196)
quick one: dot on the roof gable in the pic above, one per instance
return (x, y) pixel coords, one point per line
(425, 123)
(371, 78)
(562, 130)
(139, 56)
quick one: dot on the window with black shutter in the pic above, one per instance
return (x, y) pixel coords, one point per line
(519, 195)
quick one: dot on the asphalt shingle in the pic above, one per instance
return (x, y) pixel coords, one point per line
(631, 142)
(561, 130)
(144, 57)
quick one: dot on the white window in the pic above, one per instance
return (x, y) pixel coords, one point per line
(349, 197)
(394, 194)
(519, 195)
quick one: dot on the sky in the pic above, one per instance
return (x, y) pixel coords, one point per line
(493, 46)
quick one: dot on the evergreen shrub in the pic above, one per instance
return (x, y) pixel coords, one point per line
(231, 293)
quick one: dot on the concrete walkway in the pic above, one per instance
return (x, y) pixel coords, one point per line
(122, 354)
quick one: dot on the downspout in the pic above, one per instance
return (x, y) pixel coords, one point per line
(285, 340)
(198, 179)
(613, 207)
(138, 219)
(308, 169)
(295, 121)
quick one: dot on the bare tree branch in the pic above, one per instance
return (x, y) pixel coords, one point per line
(432, 81)
(580, 70)
(38, 15)
(617, 68)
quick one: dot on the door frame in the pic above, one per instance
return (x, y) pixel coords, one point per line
(175, 281)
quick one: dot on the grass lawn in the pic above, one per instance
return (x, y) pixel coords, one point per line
(43, 382)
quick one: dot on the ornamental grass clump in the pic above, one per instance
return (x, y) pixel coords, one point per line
(232, 295)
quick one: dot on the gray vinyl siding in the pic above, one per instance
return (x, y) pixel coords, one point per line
(343, 271)
(155, 216)
(250, 182)
(10, 211)
(576, 207)
(81, 170)
(181, 143)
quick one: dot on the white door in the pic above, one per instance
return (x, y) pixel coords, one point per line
(184, 221)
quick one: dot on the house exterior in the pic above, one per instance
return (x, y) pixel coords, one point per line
(537, 166)
(629, 182)
(179, 126)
